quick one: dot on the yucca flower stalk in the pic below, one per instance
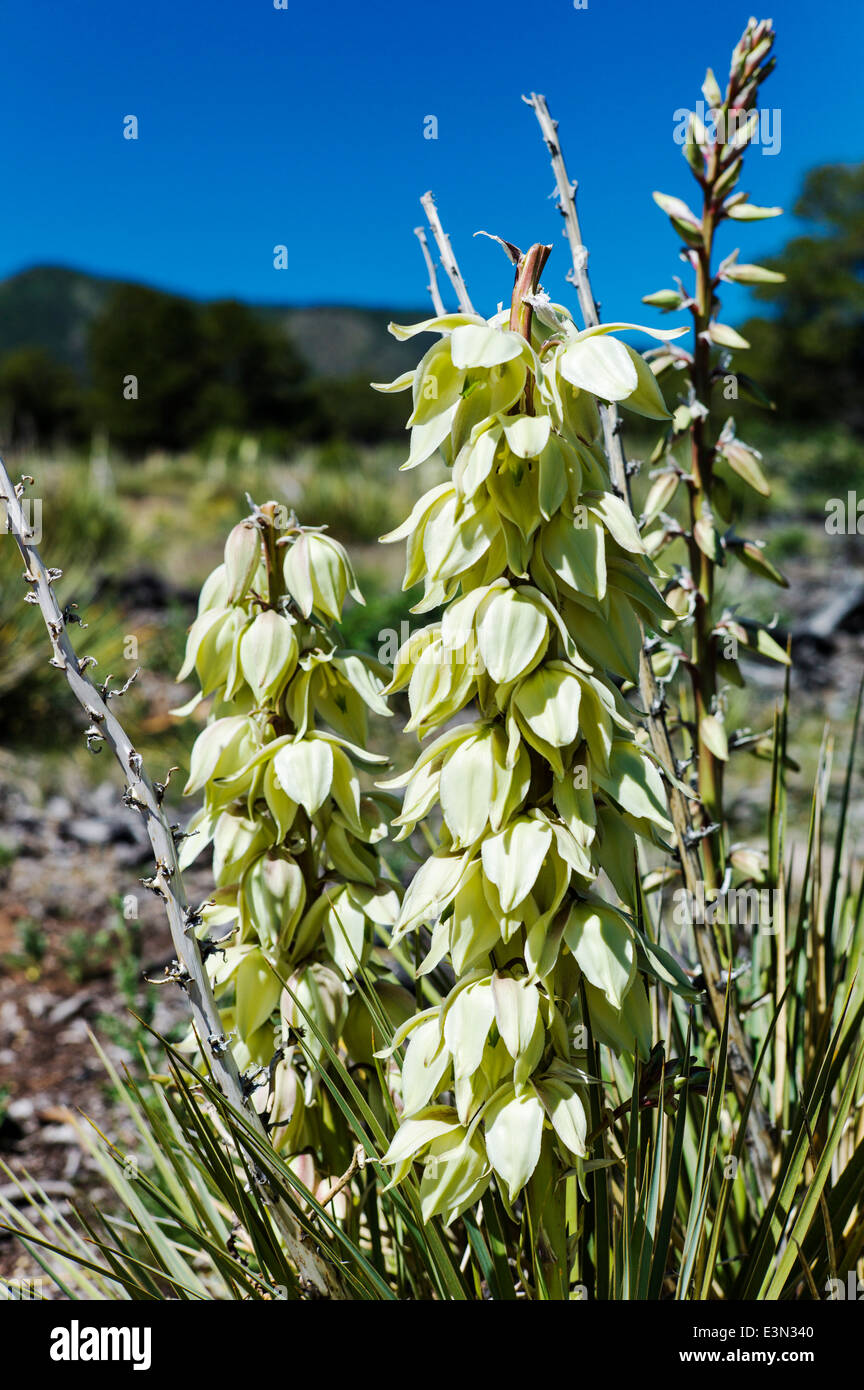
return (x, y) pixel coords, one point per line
(541, 572)
(299, 887)
(696, 450)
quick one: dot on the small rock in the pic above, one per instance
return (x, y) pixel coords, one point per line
(73, 1163)
(68, 1008)
(59, 1134)
(104, 798)
(132, 856)
(122, 829)
(40, 1002)
(75, 1034)
(88, 832)
(21, 1109)
(11, 1021)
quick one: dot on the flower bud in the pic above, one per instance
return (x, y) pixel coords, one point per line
(242, 553)
(287, 1108)
(274, 895)
(268, 653)
(319, 575)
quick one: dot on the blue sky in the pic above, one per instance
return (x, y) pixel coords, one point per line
(304, 127)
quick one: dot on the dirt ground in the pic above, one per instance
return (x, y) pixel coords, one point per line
(78, 933)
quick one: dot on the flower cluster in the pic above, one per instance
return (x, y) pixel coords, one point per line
(300, 891)
(543, 579)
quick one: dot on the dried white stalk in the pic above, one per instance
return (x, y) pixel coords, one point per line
(578, 276)
(686, 836)
(432, 287)
(445, 251)
(143, 796)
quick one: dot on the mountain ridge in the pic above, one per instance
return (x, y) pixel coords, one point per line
(51, 307)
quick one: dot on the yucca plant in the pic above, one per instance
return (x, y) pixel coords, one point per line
(712, 1233)
(194, 1217)
(669, 1214)
(689, 527)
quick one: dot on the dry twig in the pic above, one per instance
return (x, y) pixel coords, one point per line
(432, 287)
(445, 251)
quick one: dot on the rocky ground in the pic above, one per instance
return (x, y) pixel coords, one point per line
(78, 933)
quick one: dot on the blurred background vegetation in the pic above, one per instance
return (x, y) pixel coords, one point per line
(68, 341)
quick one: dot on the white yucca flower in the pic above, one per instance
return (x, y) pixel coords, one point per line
(543, 578)
(300, 889)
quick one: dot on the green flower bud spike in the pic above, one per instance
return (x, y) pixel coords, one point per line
(541, 573)
(702, 536)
